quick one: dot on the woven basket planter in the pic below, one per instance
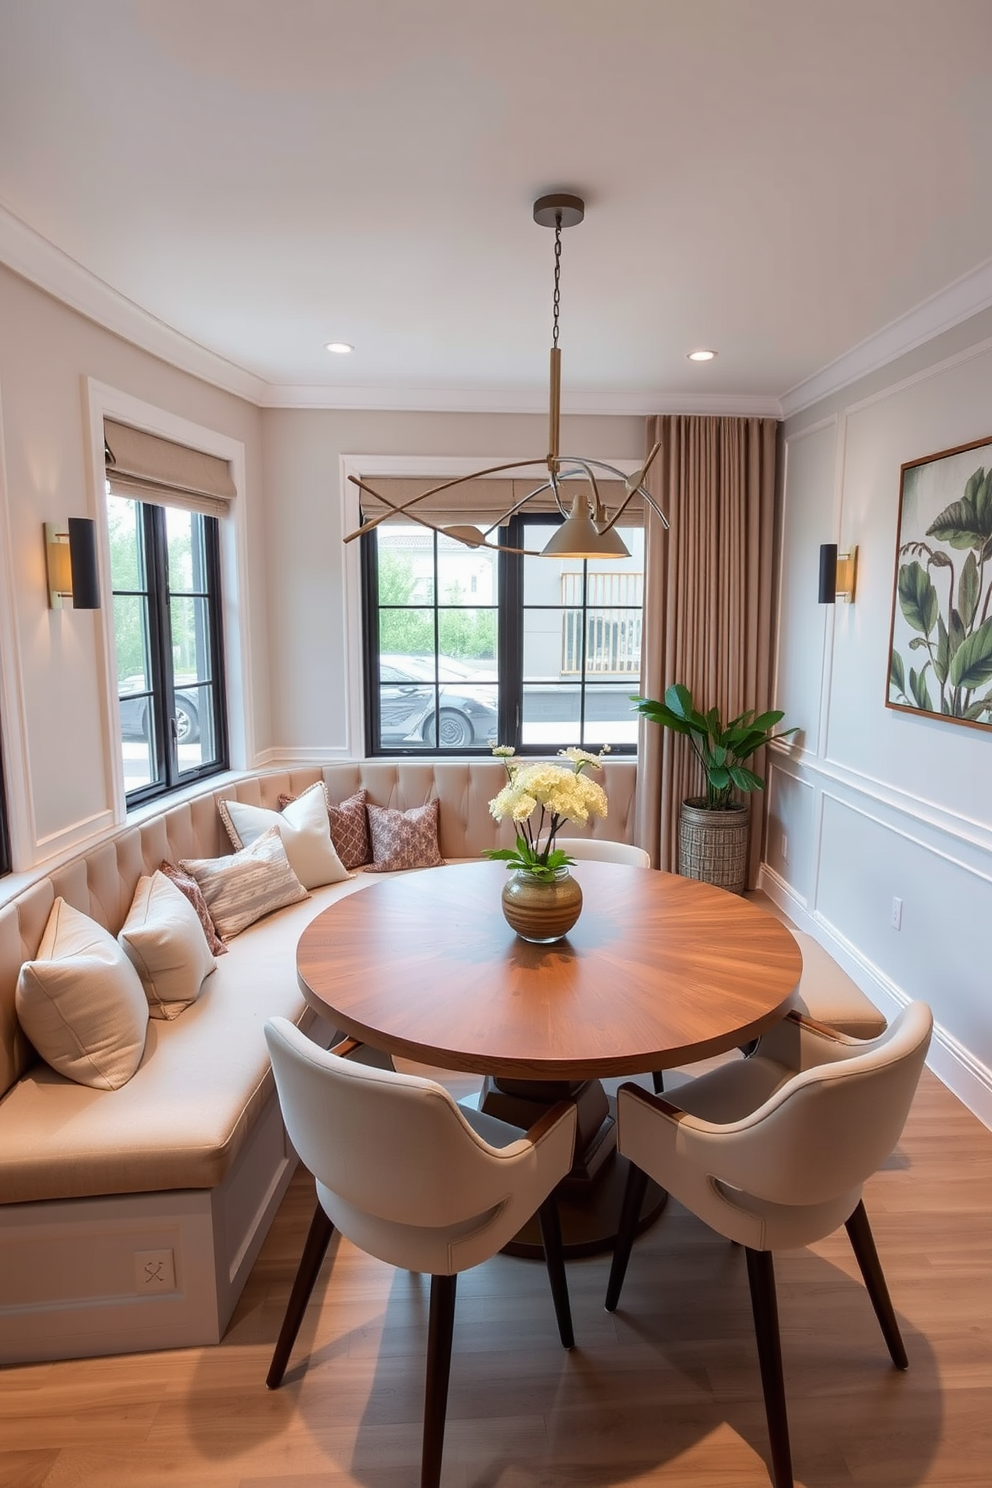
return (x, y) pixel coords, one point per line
(713, 844)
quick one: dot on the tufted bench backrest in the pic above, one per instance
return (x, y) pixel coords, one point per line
(101, 881)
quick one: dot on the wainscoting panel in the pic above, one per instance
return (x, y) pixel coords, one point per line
(864, 855)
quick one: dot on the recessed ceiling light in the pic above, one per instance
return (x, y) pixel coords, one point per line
(341, 347)
(701, 356)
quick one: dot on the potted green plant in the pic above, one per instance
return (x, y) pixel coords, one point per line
(713, 829)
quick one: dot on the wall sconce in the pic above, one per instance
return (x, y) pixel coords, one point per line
(70, 555)
(838, 572)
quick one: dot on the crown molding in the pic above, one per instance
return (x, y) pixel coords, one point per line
(964, 298)
(36, 259)
(396, 399)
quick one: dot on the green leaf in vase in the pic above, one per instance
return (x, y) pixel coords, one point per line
(969, 591)
(971, 665)
(917, 597)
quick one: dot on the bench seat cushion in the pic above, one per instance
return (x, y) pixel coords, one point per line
(827, 994)
(203, 1080)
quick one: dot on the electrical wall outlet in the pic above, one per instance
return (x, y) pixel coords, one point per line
(155, 1270)
(895, 918)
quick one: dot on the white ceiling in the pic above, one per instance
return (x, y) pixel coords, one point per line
(778, 179)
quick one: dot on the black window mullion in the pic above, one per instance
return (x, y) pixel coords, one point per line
(162, 674)
(370, 629)
(160, 730)
(510, 637)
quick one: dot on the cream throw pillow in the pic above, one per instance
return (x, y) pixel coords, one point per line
(305, 831)
(240, 889)
(165, 943)
(81, 1002)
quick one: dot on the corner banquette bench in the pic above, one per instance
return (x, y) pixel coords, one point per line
(130, 1218)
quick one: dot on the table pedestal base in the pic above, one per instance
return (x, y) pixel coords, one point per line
(591, 1196)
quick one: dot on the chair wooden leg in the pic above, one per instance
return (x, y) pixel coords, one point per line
(554, 1257)
(439, 1332)
(863, 1245)
(658, 1081)
(761, 1278)
(637, 1182)
(311, 1261)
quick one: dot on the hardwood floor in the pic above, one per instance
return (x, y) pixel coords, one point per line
(665, 1392)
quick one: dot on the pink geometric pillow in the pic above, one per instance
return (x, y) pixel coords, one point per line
(187, 884)
(349, 828)
(404, 839)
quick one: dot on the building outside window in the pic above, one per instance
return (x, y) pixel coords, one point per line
(165, 577)
(466, 648)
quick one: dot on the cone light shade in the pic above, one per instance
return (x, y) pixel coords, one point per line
(577, 537)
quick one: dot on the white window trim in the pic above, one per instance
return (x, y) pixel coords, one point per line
(107, 402)
(398, 467)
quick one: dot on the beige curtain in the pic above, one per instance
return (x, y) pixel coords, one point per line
(707, 601)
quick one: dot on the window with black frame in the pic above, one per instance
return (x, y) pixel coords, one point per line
(165, 575)
(466, 648)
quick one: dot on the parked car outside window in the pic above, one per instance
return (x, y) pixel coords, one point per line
(466, 715)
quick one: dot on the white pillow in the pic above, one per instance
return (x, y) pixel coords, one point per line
(240, 889)
(81, 1002)
(305, 830)
(165, 943)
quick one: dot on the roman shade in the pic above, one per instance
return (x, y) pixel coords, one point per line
(145, 467)
(481, 502)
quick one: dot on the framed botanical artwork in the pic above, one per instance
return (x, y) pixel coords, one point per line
(940, 643)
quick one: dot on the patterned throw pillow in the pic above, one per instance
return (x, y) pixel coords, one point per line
(349, 828)
(303, 827)
(187, 884)
(404, 839)
(240, 889)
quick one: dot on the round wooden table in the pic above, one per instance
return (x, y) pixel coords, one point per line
(659, 971)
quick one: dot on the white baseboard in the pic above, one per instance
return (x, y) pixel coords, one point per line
(951, 1062)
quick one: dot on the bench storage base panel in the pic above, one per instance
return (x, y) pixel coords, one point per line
(132, 1272)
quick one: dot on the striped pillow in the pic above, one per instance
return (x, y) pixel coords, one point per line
(243, 887)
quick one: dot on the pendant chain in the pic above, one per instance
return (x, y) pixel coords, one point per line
(557, 298)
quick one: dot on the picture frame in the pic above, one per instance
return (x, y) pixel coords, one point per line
(940, 638)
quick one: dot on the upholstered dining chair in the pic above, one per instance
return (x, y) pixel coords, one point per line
(598, 849)
(772, 1151)
(413, 1178)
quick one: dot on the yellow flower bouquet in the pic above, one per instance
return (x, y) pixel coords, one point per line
(559, 793)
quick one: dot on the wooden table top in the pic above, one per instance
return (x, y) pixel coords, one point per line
(660, 970)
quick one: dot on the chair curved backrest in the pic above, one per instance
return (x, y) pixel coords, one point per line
(598, 849)
(394, 1154)
(809, 1146)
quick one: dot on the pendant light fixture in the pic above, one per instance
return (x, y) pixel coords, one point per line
(589, 529)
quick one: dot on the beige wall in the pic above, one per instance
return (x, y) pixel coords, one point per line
(302, 450)
(57, 750)
(880, 804)
(57, 733)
